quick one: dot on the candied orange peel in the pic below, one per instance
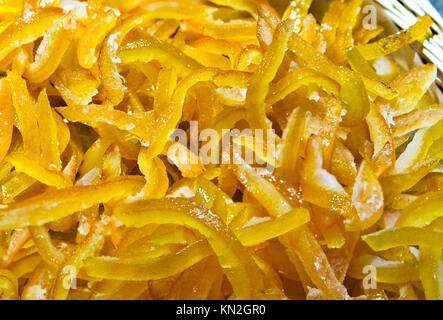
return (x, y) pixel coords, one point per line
(213, 149)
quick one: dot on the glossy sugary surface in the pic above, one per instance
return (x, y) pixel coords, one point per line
(331, 188)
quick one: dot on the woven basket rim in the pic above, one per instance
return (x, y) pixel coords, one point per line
(404, 13)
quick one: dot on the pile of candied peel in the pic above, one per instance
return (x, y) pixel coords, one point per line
(342, 198)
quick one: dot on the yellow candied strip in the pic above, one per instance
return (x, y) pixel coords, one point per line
(387, 271)
(108, 58)
(367, 198)
(11, 7)
(344, 33)
(422, 211)
(315, 263)
(260, 80)
(246, 5)
(139, 126)
(208, 59)
(417, 150)
(51, 50)
(48, 132)
(14, 184)
(55, 204)
(100, 23)
(395, 184)
(77, 86)
(8, 285)
(295, 79)
(393, 43)
(263, 231)
(130, 291)
(63, 132)
(39, 285)
(403, 236)
(6, 118)
(31, 166)
(154, 170)
(352, 92)
(417, 119)
(256, 144)
(172, 111)
(93, 156)
(153, 49)
(111, 163)
(411, 87)
(431, 268)
(369, 76)
(111, 81)
(218, 47)
(321, 188)
(26, 30)
(379, 88)
(300, 240)
(142, 268)
(70, 267)
(291, 140)
(176, 236)
(186, 161)
(129, 242)
(25, 265)
(272, 200)
(331, 21)
(243, 273)
(297, 11)
(5, 24)
(49, 253)
(24, 108)
(237, 30)
(166, 83)
(248, 56)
